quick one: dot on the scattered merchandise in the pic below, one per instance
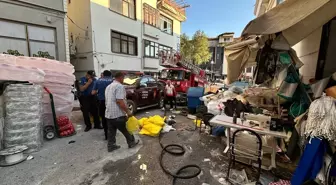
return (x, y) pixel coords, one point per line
(206, 160)
(167, 128)
(238, 177)
(321, 120)
(281, 182)
(311, 161)
(30, 157)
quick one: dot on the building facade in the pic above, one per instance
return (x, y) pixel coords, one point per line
(216, 48)
(122, 35)
(316, 49)
(36, 28)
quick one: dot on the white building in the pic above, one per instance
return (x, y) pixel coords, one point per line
(122, 34)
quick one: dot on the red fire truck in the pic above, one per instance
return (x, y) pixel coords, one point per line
(182, 74)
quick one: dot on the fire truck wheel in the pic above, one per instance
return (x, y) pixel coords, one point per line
(131, 106)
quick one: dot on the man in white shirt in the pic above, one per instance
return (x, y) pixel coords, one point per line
(117, 112)
(170, 94)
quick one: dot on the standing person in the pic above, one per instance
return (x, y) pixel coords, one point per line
(99, 90)
(116, 113)
(170, 94)
(88, 101)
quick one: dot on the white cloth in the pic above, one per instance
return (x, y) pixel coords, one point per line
(115, 91)
(170, 90)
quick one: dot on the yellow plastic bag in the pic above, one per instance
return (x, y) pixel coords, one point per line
(157, 120)
(142, 121)
(132, 124)
(150, 129)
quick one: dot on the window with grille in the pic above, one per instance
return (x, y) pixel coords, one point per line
(166, 25)
(124, 7)
(124, 44)
(152, 49)
(151, 15)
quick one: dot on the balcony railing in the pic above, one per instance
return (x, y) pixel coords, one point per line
(151, 15)
(173, 8)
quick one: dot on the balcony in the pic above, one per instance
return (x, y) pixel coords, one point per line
(172, 8)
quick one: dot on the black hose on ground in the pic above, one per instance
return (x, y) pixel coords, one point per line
(176, 150)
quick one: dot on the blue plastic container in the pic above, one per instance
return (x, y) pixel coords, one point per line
(193, 95)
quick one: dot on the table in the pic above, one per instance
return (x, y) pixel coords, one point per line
(226, 121)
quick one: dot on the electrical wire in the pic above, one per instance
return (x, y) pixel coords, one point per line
(176, 150)
(75, 23)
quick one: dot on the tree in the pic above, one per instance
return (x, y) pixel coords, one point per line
(186, 47)
(197, 49)
(201, 52)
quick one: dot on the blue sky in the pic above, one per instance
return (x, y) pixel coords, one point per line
(218, 16)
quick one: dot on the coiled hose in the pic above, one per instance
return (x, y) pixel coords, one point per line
(176, 150)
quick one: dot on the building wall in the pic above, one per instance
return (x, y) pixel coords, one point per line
(308, 50)
(27, 12)
(80, 35)
(52, 4)
(104, 20)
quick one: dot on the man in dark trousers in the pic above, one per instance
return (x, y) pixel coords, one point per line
(89, 101)
(117, 112)
(99, 90)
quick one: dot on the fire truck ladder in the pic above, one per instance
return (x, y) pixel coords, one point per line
(170, 60)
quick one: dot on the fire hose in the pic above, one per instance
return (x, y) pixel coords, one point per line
(176, 150)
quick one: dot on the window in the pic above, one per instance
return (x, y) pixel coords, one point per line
(152, 49)
(27, 40)
(151, 15)
(227, 39)
(122, 43)
(166, 25)
(143, 82)
(124, 7)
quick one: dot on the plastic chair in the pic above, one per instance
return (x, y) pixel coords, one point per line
(237, 151)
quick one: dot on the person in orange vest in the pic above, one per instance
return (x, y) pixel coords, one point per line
(170, 95)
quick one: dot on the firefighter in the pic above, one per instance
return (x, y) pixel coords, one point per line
(170, 95)
(99, 90)
(89, 101)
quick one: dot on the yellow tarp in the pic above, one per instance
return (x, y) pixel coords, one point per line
(151, 126)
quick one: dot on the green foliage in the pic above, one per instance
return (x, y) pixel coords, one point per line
(195, 50)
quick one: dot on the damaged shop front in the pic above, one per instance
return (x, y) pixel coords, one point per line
(280, 114)
(35, 105)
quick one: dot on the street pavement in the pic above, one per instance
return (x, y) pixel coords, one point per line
(87, 162)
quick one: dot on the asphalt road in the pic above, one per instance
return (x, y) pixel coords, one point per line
(87, 162)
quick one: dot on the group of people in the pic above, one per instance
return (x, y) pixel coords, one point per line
(105, 98)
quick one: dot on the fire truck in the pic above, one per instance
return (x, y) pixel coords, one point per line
(182, 74)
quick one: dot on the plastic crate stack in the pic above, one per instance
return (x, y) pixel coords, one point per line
(23, 116)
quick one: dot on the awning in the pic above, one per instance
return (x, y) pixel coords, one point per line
(296, 19)
(239, 56)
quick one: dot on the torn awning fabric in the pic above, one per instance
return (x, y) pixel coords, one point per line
(296, 19)
(239, 56)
